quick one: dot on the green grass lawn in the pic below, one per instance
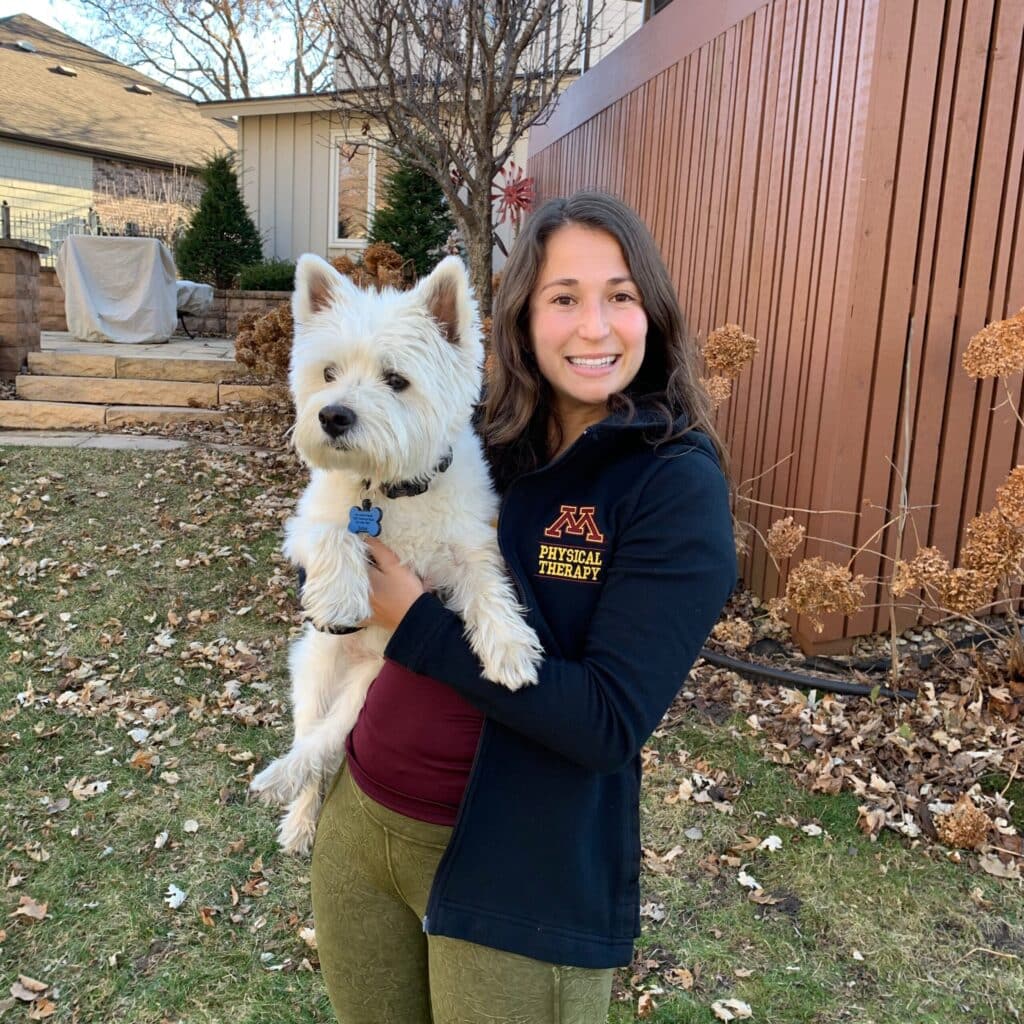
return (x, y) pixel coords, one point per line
(145, 613)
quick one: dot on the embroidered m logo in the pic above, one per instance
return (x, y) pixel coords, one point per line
(576, 521)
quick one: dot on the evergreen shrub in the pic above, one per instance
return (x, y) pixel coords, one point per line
(221, 237)
(268, 276)
(414, 219)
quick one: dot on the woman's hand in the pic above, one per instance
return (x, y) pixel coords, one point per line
(394, 587)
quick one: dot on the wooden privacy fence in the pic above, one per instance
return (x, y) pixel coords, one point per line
(843, 178)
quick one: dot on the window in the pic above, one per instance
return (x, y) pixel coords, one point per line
(359, 167)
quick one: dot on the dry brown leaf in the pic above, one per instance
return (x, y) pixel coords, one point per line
(645, 1005)
(42, 1008)
(28, 989)
(731, 1009)
(991, 864)
(28, 907)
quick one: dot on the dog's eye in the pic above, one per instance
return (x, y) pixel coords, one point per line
(395, 381)
(330, 372)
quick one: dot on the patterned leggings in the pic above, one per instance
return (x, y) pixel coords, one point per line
(372, 870)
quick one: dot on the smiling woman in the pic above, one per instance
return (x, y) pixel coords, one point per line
(477, 859)
(588, 325)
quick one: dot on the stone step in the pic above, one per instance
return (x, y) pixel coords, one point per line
(114, 391)
(23, 415)
(73, 364)
(29, 415)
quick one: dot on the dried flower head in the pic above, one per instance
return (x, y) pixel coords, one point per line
(343, 265)
(264, 342)
(784, 537)
(965, 826)
(928, 568)
(728, 350)
(777, 608)
(817, 587)
(381, 255)
(1010, 497)
(718, 389)
(902, 582)
(735, 634)
(997, 350)
(992, 546)
(964, 591)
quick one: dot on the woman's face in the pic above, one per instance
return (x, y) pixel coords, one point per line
(587, 323)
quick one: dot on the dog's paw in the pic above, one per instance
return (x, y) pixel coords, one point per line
(513, 661)
(326, 608)
(297, 830)
(277, 783)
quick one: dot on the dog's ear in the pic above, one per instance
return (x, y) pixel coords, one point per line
(318, 286)
(446, 295)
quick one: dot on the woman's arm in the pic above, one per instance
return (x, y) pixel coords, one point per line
(668, 579)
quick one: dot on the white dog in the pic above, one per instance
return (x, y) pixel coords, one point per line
(384, 386)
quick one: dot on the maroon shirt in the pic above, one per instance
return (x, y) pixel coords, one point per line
(413, 745)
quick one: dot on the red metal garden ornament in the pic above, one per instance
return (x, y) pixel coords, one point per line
(514, 196)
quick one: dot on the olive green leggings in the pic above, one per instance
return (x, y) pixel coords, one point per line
(372, 870)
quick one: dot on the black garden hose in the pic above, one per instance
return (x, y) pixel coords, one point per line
(778, 675)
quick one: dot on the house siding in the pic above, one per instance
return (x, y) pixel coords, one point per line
(285, 173)
(34, 178)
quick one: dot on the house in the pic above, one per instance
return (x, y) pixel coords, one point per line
(311, 177)
(844, 181)
(88, 142)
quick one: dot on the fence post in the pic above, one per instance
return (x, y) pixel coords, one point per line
(5, 220)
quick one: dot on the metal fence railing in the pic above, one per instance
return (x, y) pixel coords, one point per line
(50, 227)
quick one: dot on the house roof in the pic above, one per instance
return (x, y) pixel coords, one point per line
(96, 109)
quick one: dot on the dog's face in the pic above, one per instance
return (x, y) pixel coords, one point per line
(383, 382)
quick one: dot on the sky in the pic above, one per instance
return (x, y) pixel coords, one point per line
(67, 17)
(58, 13)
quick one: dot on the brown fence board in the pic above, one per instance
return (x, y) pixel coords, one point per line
(908, 211)
(822, 172)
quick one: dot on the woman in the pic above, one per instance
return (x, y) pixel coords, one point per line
(478, 857)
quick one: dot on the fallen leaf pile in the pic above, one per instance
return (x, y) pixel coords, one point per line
(916, 766)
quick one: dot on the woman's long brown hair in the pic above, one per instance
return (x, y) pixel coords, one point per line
(518, 408)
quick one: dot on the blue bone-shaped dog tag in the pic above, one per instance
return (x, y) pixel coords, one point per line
(365, 520)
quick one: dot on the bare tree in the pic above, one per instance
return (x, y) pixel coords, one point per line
(211, 49)
(455, 84)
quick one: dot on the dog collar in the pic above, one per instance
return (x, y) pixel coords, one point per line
(410, 488)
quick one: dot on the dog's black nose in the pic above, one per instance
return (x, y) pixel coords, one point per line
(337, 420)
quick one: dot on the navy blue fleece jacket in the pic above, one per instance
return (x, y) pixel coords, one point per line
(623, 555)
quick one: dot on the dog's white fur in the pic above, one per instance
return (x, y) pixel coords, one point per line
(431, 338)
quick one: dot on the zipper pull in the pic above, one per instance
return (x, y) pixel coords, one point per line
(424, 922)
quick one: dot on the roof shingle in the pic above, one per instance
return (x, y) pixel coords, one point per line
(96, 109)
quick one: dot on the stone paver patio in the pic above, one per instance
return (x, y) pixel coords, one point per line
(178, 347)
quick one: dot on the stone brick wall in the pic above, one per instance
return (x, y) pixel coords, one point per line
(51, 302)
(238, 303)
(219, 321)
(19, 305)
(229, 306)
